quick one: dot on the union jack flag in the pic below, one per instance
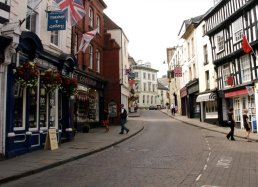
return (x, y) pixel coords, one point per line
(72, 9)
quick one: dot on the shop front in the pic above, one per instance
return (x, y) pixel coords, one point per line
(35, 100)
(193, 107)
(89, 102)
(241, 99)
(183, 95)
(209, 109)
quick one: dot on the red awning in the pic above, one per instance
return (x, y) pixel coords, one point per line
(236, 93)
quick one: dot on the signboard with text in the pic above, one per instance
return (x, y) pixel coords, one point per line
(51, 140)
(56, 21)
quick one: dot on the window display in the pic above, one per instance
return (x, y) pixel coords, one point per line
(18, 105)
(86, 107)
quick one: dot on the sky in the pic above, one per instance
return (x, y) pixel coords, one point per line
(153, 26)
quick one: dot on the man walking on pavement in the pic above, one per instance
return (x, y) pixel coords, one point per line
(123, 118)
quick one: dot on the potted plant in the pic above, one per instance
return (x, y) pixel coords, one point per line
(51, 79)
(27, 74)
(69, 86)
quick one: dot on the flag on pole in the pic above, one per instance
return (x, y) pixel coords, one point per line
(72, 9)
(245, 45)
(86, 38)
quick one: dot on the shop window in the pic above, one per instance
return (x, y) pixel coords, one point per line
(91, 56)
(98, 24)
(245, 68)
(18, 110)
(53, 109)
(226, 74)
(32, 107)
(86, 107)
(43, 108)
(237, 111)
(54, 38)
(205, 55)
(237, 30)
(98, 61)
(91, 18)
(219, 42)
(31, 15)
(211, 106)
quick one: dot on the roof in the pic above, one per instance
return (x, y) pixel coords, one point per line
(110, 24)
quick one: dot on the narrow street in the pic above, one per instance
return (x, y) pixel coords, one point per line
(166, 153)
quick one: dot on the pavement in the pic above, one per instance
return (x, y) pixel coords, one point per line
(85, 144)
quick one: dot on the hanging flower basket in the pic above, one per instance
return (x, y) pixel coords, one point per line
(69, 86)
(27, 74)
(51, 79)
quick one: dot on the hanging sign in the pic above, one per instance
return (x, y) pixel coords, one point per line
(51, 140)
(178, 71)
(56, 21)
(249, 90)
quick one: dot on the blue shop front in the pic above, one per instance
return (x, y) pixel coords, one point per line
(35, 101)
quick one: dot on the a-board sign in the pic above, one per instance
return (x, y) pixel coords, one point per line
(51, 140)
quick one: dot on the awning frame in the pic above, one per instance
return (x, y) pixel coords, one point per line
(206, 97)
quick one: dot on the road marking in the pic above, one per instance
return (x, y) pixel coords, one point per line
(224, 162)
(198, 177)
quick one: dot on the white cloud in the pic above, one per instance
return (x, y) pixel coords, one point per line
(152, 26)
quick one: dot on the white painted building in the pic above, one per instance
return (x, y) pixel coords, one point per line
(207, 77)
(163, 92)
(146, 85)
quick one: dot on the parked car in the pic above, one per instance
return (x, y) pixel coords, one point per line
(152, 107)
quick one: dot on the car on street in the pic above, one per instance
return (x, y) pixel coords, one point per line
(152, 107)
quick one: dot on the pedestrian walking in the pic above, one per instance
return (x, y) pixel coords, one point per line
(123, 119)
(231, 123)
(246, 124)
(105, 121)
(173, 109)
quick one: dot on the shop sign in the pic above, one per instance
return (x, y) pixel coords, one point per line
(178, 71)
(193, 89)
(85, 80)
(56, 21)
(51, 139)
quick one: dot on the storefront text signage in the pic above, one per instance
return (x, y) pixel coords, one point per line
(51, 140)
(85, 80)
(56, 21)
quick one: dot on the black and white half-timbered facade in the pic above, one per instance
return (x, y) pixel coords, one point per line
(237, 71)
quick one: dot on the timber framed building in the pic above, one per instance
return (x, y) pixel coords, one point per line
(236, 70)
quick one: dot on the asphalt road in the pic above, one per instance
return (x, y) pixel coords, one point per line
(166, 153)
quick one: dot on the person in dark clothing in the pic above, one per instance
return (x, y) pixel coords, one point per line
(123, 118)
(246, 124)
(231, 123)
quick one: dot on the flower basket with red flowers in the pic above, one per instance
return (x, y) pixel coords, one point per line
(69, 86)
(27, 74)
(51, 79)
